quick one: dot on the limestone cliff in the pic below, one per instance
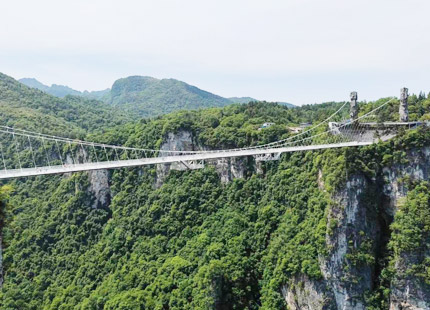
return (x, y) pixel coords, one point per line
(362, 212)
(306, 294)
(407, 290)
(357, 230)
(99, 188)
(183, 140)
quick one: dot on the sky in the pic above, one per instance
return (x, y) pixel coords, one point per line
(297, 51)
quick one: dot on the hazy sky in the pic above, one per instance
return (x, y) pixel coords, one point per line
(299, 51)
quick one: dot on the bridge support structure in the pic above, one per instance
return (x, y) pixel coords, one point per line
(189, 165)
(353, 110)
(403, 107)
(64, 155)
(267, 157)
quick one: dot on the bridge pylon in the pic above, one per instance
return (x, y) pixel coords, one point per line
(403, 107)
(353, 109)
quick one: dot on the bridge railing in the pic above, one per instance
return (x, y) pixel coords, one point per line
(22, 149)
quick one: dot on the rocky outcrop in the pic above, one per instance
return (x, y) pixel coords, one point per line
(183, 140)
(408, 292)
(416, 168)
(99, 188)
(357, 230)
(180, 141)
(303, 293)
(229, 169)
(361, 214)
(99, 180)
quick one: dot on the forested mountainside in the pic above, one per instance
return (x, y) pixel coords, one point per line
(32, 109)
(146, 96)
(334, 229)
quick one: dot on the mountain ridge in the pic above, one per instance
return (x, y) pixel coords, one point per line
(61, 91)
(147, 96)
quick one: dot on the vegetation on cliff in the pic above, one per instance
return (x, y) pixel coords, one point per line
(193, 243)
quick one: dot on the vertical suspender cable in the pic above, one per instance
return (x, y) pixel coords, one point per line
(116, 153)
(46, 152)
(59, 153)
(83, 152)
(126, 154)
(95, 152)
(17, 149)
(71, 153)
(31, 151)
(107, 157)
(2, 156)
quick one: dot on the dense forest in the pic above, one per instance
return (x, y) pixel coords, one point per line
(33, 109)
(196, 242)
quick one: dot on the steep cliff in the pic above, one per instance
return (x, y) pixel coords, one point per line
(410, 203)
(357, 260)
(184, 140)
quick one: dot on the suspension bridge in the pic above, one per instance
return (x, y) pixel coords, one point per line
(26, 153)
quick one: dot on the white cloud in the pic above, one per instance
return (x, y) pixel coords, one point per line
(300, 51)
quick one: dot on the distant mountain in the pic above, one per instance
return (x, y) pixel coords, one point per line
(62, 90)
(148, 96)
(145, 96)
(33, 83)
(97, 94)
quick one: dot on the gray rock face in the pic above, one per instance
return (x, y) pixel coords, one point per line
(355, 222)
(362, 211)
(408, 292)
(418, 168)
(99, 180)
(227, 168)
(303, 293)
(99, 187)
(180, 141)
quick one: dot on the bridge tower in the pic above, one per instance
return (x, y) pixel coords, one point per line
(353, 110)
(403, 107)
